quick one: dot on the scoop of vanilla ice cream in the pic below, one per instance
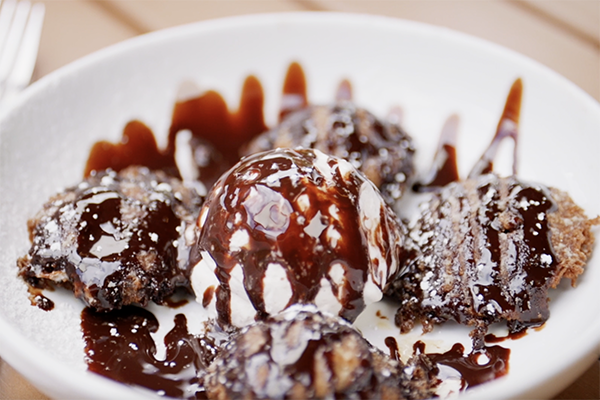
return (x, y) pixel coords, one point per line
(284, 227)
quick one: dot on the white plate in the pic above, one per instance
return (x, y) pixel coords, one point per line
(430, 72)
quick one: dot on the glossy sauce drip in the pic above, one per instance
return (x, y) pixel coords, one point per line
(218, 134)
(539, 262)
(294, 91)
(44, 303)
(119, 346)
(507, 127)
(137, 147)
(392, 346)
(444, 168)
(207, 296)
(475, 368)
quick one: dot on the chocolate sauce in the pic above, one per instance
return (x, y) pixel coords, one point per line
(294, 91)
(207, 296)
(217, 133)
(392, 345)
(444, 169)
(120, 347)
(44, 303)
(380, 315)
(507, 127)
(137, 147)
(475, 368)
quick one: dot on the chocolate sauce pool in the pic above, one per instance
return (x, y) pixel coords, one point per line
(475, 368)
(119, 346)
(217, 133)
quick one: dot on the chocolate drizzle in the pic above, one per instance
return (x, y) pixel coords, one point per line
(480, 366)
(444, 169)
(475, 368)
(217, 136)
(392, 346)
(137, 147)
(120, 347)
(217, 133)
(508, 126)
(294, 91)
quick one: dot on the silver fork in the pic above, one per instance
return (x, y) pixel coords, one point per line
(20, 31)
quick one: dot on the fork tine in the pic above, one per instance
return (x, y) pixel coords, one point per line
(17, 60)
(13, 40)
(25, 59)
(6, 14)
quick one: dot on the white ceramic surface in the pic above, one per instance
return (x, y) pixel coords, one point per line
(430, 72)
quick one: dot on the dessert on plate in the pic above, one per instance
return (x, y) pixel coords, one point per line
(291, 244)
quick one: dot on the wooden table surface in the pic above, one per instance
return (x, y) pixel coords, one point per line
(562, 34)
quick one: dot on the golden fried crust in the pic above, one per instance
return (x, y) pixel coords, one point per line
(572, 237)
